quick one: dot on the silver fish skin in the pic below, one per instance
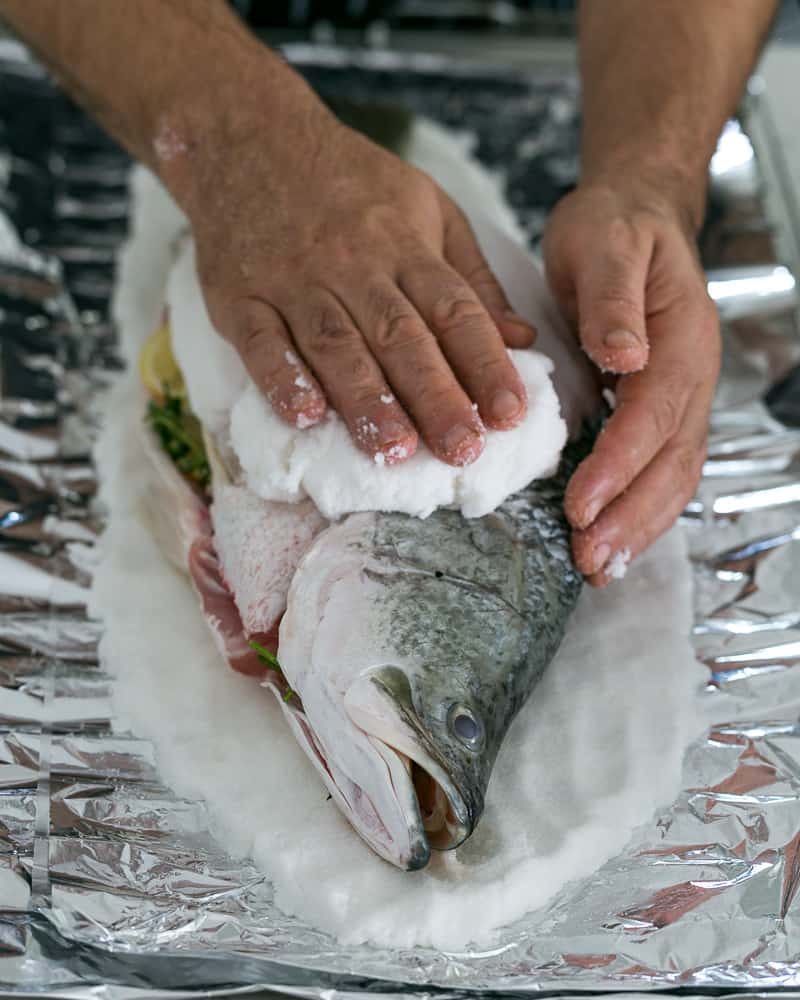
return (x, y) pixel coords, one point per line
(413, 644)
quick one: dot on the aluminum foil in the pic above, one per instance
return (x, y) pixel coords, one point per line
(111, 886)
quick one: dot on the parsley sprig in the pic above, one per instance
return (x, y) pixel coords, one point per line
(181, 437)
(272, 661)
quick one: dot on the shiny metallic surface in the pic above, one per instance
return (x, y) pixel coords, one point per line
(742, 291)
(113, 887)
(734, 172)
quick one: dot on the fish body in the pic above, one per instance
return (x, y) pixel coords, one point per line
(406, 646)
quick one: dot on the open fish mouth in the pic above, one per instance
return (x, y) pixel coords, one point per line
(380, 704)
(440, 810)
(419, 809)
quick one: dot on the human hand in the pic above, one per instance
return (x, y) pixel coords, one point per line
(344, 276)
(621, 260)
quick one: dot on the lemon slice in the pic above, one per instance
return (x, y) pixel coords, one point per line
(158, 368)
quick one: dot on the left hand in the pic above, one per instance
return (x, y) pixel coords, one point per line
(622, 262)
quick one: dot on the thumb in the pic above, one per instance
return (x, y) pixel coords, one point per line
(610, 292)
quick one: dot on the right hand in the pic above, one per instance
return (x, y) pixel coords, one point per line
(622, 261)
(345, 277)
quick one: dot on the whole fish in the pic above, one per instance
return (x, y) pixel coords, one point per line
(406, 646)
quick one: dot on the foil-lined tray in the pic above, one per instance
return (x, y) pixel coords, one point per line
(111, 885)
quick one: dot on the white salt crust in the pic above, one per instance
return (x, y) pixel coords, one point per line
(244, 529)
(595, 751)
(283, 463)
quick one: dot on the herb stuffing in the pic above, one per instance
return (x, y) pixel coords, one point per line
(181, 437)
(272, 661)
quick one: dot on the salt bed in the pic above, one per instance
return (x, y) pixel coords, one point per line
(594, 752)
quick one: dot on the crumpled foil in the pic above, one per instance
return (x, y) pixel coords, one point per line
(110, 885)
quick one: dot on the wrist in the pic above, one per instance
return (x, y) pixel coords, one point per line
(660, 186)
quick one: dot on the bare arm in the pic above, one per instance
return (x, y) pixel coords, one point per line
(340, 274)
(144, 67)
(660, 77)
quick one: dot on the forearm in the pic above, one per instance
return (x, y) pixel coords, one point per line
(660, 77)
(168, 78)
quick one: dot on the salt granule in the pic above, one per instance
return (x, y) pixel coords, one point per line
(617, 565)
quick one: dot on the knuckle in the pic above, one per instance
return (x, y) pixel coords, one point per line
(688, 461)
(674, 383)
(667, 416)
(482, 279)
(250, 341)
(328, 332)
(255, 330)
(640, 528)
(432, 388)
(455, 311)
(616, 296)
(399, 333)
(627, 238)
(360, 377)
(394, 325)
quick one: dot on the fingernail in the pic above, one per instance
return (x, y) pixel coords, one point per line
(462, 444)
(392, 432)
(506, 405)
(398, 443)
(600, 557)
(621, 340)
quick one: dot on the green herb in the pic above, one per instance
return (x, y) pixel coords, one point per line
(271, 660)
(181, 437)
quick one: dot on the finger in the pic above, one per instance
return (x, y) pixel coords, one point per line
(336, 352)
(417, 370)
(610, 299)
(468, 338)
(462, 251)
(260, 336)
(636, 518)
(651, 408)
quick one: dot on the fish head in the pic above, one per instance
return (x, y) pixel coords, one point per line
(442, 730)
(407, 658)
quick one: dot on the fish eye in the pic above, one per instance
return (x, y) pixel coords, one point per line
(465, 726)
